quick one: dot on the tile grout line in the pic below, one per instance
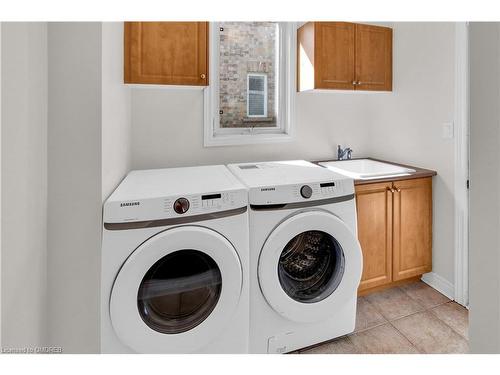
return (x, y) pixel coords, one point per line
(397, 330)
(353, 344)
(441, 320)
(400, 317)
(376, 309)
(411, 342)
(415, 313)
(371, 327)
(414, 300)
(425, 308)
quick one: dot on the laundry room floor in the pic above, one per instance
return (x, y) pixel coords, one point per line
(413, 318)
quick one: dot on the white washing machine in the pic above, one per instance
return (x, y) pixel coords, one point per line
(175, 263)
(305, 259)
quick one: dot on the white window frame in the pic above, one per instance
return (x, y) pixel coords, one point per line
(257, 92)
(214, 135)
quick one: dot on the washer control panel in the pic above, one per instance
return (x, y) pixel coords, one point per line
(199, 204)
(176, 206)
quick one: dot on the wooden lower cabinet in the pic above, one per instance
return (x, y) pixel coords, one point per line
(374, 211)
(412, 231)
(395, 231)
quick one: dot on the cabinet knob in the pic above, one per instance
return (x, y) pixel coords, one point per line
(391, 190)
(354, 83)
(398, 190)
(358, 83)
(203, 76)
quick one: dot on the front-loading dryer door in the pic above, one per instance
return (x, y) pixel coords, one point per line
(309, 266)
(177, 291)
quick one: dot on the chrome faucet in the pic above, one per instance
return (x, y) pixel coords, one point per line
(344, 154)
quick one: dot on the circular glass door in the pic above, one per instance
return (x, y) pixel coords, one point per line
(179, 291)
(311, 266)
(176, 292)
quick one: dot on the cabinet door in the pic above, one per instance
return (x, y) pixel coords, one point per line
(374, 209)
(373, 58)
(334, 55)
(166, 53)
(412, 236)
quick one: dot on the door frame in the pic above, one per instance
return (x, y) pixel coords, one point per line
(461, 140)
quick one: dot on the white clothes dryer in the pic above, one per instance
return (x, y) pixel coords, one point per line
(305, 259)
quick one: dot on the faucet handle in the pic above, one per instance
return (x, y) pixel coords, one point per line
(340, 152)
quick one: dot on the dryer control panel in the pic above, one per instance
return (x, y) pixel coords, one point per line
(290, 181)
(283, 194)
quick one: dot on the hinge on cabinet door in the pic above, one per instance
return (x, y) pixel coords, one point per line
(467, 184)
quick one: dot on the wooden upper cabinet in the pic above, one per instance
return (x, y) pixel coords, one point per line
(412, 235)
(373, 58)
(374, 212)
(166, 53)
(342, 55)
(334, 48)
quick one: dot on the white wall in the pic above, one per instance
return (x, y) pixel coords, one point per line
(89, 154)
(116, 110)
(75, 188)
(405, 126)
(167, 129)
(402, 126)
(484, 286)
(24, 183)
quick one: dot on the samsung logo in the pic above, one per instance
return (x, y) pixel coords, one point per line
(128, 204)
(268, 189)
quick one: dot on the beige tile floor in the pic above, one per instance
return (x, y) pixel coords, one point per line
(413, 318)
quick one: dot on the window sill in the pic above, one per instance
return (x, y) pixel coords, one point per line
(250, 120)
(245, 139)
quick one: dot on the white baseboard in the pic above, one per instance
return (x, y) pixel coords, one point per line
(440, 284)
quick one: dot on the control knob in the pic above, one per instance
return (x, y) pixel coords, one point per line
(181, 205)
(306, 191)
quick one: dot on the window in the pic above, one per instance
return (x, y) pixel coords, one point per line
(252, 87)
(256, 95)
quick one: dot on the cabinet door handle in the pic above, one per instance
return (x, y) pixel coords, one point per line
(354, 83)
(391, 190)
(398, 190)
(203, 76)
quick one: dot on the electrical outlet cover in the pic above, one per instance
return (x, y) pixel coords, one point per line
(447, 130)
